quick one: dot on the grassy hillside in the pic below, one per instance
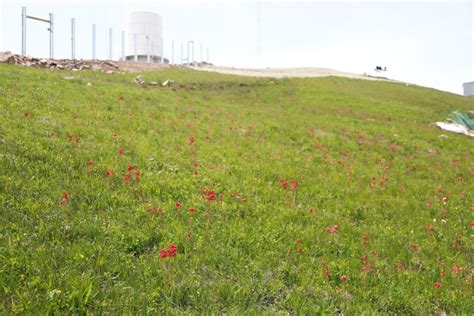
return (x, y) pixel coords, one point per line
(301, 195)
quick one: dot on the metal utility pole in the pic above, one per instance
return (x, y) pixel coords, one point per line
(172, 53)
(182, 50)
(73, 39)
(23, 31)
(110, 44)
(192, 57)
(51, 36)
(123, 45)
(201, 54)
(135, 57)
(207, 55)
(162, 51)
(93, 42)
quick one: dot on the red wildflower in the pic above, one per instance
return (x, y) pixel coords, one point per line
(126, 178)
(443, 274)
(299, 250)
(129, 167)
(284, 183)
(438, 285)
(155, 209)
(294, 185)
(299, 241)
(414, 247)
(65, 198)
(209, 195)
(471, 224)
(70, 137)
(196, 164)
(120, 151)
(326, 272)
(191, 140)
(172, 249)
(332, 229)
(137, 174)
(179, 204)
(455, 269)
(429, 203)
(109, 172)
(365, 239)
(400, 266)
(26, 114)
(207, 138)
(311, 210)
(343, 278)
(191, 209)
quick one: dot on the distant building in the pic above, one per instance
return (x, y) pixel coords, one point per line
(468, 89)
(144, 37)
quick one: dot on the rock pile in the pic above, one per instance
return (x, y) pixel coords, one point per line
(75, 65)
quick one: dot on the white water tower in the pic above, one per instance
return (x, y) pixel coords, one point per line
(144, 37)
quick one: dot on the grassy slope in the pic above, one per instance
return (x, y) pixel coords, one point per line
(99, 251)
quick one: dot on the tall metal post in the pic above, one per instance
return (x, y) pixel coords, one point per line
(201, 54)
(207, 55)
(190, 58)
(162, 52)
(123, 45)
(23, 31)
(182, 49)
(135, 58)
(110, 44)
(172, 52)
(93, 42)
(51, 36)
(73, 39)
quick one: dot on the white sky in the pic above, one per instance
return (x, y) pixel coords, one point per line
(424, 42)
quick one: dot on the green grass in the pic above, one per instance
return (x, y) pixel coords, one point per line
(364, 155)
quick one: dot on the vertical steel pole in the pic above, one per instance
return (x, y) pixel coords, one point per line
(23, 31)
(172, 52)
(152, 52)
(110, 44)
(207, 55)
(193, 51)
(135, 58)
(201, 54)
(51, 36)
(93, 42)
(162, 51)
(182, 49)
(73, 39)
(123, 45)
(187, 47)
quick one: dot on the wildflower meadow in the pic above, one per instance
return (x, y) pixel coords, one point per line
(224, 194)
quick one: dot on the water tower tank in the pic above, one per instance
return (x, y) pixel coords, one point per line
(145, 28)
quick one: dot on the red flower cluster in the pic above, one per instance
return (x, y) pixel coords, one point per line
(120, 151)
(65, 198)
(191, 209)
(168, 252)
(179, 204)
(137, 173)
(191, 140)
(285, 184)
(209, 195)
(73, 139)
(334, 229)
(26, 114)
(90, 165)
(109, 172)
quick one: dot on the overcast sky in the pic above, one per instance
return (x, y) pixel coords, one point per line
(424, 42)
